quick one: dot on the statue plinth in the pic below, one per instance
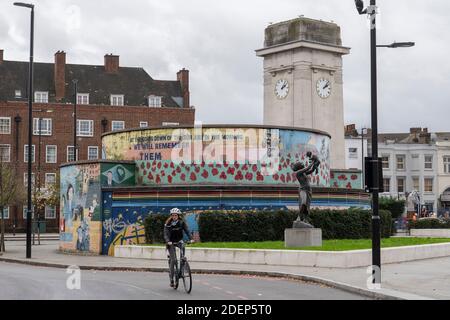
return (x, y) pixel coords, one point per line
(302, 237)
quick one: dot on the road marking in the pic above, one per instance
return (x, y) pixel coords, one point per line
(243, 298)
(218, 288)
(229, 292)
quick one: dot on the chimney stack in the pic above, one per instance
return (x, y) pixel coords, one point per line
(183, 78)
(425, 136)
(111, 63)
(1, 56)
(350, 130)
(60, 75)
(415, 130)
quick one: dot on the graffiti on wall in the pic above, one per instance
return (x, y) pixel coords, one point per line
(219, 155)
(125, 226)
(120, 226)
(80, 216)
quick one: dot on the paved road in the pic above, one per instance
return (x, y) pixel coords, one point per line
(30, 282)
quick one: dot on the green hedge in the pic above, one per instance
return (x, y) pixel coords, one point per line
(396, 207)
(231, 226)
(154, 228)
(430, 223)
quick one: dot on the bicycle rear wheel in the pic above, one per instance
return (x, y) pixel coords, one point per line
(187, 277)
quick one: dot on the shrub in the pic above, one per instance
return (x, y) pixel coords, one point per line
(429, 223)
(226, 226)
(154, 228)
(396, 207)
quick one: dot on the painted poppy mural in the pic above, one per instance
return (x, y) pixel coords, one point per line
(218, 155)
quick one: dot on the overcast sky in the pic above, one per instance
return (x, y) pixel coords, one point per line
(216, 40)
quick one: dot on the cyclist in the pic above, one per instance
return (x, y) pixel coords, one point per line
(173, 234)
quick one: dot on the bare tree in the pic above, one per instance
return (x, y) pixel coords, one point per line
(43, 196)
(9, 194)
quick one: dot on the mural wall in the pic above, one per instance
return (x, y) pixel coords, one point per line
(346, 179)
(115, 174)
(230, 156)
(125, 211)
(80, 218)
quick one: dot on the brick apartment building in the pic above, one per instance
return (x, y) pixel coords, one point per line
(110, 97)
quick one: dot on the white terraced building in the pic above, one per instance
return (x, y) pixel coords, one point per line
(418, 160)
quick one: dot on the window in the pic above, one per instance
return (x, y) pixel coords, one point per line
(50, 212)
(170, 123)
(50, 179)
(41, 97)
(92, 153)
(143, 124)
(353, 153)
(387, 184)
(83, 98)
(401, 162)
(429, 162)
(385, 162)
(154, 101)
(400, 184)
(415, 162)
(117, 99)
(25, 179)
(428, 185)
(25, 153)
(85, 128)
(446, 164)
(5, 125)
(5, 153)
(18, 94)
(25, 212)
(117, 125)
(70, 154)
(45, 127)
(416, 183)
(5, 213)
(50, 154)
(429, 206)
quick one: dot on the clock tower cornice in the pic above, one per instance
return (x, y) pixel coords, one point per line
(302, 44)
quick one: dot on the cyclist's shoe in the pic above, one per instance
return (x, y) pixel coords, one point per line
(172, 284)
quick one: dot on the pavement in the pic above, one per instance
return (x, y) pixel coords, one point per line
(417, 280)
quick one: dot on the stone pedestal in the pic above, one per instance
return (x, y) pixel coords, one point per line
(302, 237)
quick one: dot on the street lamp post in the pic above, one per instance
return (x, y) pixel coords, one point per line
(30, 124)
(362, 158)
(375, 166)
(75, 84)
(38, 213)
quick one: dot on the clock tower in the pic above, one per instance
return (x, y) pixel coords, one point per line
(303, 84)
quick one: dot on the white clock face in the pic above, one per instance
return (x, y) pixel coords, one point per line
(281, 89)
(324, 88)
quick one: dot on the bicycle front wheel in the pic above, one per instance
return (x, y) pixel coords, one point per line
(177, 276)
(187, 277)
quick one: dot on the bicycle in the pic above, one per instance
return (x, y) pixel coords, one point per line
(182, 268)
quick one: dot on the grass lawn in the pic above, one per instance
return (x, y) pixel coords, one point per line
(328, 245)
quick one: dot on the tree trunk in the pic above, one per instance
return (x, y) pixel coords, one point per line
(2, 227)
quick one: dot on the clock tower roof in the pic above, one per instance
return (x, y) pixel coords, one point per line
(303, 29)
